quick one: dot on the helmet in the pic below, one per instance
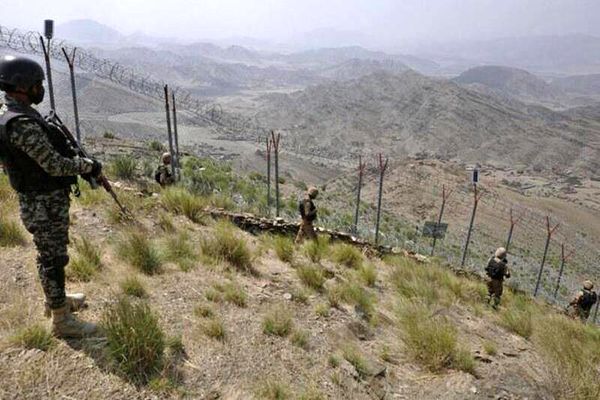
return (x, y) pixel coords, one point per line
(165, 157)
(312, 192)
(588, 285)
(500, 253)
(20, 71)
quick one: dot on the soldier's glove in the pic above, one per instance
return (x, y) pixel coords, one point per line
(96, 168)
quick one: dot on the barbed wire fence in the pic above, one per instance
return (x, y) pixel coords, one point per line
(207, 112)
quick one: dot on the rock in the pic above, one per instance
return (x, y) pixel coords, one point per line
(361, 330)
(473, 390)
(287, 296)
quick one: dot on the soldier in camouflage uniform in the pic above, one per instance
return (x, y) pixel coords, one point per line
(496, 270)
(41, 166)
(308, 213)
(582, 303)
(163, 173)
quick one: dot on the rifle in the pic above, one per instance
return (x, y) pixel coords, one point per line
(94, 182)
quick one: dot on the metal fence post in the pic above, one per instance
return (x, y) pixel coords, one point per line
(563, 260)
(513, 223)
(445, 196)
(476, 198)
(176, 137)
(169, 133)
(361, 170)
(549, 231)
(382, 167)
(275, 139)
(71, 63)
(269, 150)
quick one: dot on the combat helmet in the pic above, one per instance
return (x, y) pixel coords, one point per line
(588, 285)
(312, 192)
(20, 72)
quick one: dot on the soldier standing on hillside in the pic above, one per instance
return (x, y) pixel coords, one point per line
(163, 173)
(42, 166)
(308, 213)
(496, 270)
(583, 302)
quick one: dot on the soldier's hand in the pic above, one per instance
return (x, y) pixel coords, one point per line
(96, 168)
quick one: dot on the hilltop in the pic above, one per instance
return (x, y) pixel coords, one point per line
(269, 320)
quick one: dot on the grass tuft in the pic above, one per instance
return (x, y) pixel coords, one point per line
(11, 233)
(284, 248)
(232, 293)
(278, 321)
(34, 337)
(227, 245)
(180, 201)
(368, 274)
(271, 389)
(311, 276)
(300, 338)
(347, 255)
(214, 328)
(354, 357)
(135, 340)
(132, 286)
(123, 167)
(490, 348)
(141, 253)
(86, 263)
(316, 249)
(179, 250)
(203, 311)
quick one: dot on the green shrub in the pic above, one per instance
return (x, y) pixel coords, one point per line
(86, 263)
(316, 249)
(135, 340)
(226, 245)
(155, 145)
(347, 255)
(284, 248)
(11, 233)
(34, 337)
(123, 167)
(278, 321)
(137, 250)
(132, 286)
(179, 250)
(180, 201)
(311, 275)
(108, 135)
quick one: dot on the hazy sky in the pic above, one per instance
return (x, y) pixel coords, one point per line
(382, 21)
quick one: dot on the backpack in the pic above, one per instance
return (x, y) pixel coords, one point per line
(157, 176)
(495, 270)
(301, 208)
(588, 299)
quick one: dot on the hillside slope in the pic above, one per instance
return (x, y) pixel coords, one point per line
(410, 113)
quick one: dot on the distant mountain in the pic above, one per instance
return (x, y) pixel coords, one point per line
(511, 82)
(88, 31)
(356, 68)
(580, 84)
(411, 113)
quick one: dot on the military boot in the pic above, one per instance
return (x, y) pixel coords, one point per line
(75, 302)
(66, 325)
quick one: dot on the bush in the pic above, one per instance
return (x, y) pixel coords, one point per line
(11, 233)
(34, 337)
(180, 251)
(432, 340)
(135, 340)
(226, 245)
(137, 250)
(347, 255)
(278, 321)
(86, 263)
(311, 275)
(316, 249)
(123, 167)
(132, 286)
(284, 248)
(155, 145)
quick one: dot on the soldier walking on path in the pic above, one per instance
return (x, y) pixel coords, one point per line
(308, 213)
(42, 166)
(163, 173)
(582, 303)
(496, 270)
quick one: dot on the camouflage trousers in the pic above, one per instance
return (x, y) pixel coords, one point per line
(306, 231)
(46, 217)
(577, 312)
(495, 289)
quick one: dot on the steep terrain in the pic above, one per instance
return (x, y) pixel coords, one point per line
(410, 113)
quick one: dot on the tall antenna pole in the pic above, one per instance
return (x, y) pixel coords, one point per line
(46, 47)
(176, 135)
(71, 62)
(169, 133)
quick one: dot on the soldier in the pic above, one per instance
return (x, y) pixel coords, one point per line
(496, 270)
(582, 303)
(308, 213)
(41, 167)
(163, 173)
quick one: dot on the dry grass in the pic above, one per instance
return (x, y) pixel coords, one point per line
(271, 389)
(368, 274)
(490, 348)
(232, 293)
(123, 167)
(322, 310)
(203, 311)
(86, 263)
(284, 248)
(11, 233)
(132, 286)
(179, 249)
(517, 316)
(353, 355)
(34, 337)
(135, 341)
(300, 338)
(180, 201)
(227, 245)
(311, 276)
(346, 255)
(278, 321)
(136, 249)
(316, 249)
(214, 328)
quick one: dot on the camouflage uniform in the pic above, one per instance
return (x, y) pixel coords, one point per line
(45, 213)
(582, 304)
(308, 213)
(495, 284)
(163, 173)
